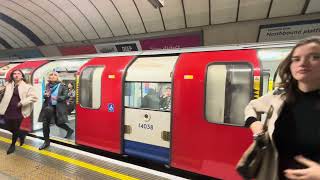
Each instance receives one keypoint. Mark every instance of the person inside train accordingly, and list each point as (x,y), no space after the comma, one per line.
(165,99)
(54,108)
(151,100)
(15,105)
(295,122)
(71,98)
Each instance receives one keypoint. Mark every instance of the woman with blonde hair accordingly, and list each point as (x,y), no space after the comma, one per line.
(16,104)
(294,127)
(54,108)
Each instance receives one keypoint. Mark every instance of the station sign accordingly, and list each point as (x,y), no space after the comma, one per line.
(289,31)
(118,47)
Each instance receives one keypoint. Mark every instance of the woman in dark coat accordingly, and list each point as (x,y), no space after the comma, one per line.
(54,109)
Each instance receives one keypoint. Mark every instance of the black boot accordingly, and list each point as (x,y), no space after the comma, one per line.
(44,145)
(22,138)
(69,133)
(11,149)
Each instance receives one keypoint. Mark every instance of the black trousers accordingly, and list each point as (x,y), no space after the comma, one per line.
(13,125)
(46,129)
(50,112)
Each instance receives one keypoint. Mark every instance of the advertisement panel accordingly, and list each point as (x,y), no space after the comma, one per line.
(76,50)
(181,41)
(20,54)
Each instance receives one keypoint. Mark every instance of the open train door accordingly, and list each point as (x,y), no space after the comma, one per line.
(28,68)
(99,102)
(67,68)
(211,90)
(147,113)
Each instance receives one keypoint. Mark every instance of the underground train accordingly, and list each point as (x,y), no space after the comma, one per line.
(182,108)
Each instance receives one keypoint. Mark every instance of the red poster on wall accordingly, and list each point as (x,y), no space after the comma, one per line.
(179,41)
(75,50)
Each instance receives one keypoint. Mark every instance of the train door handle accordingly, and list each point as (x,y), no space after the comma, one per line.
(165,135)
(127,129)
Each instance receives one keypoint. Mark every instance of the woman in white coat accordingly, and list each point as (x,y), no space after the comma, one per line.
(294,127)
(16,104)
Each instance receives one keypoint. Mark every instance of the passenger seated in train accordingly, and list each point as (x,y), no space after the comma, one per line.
(151,100)
(54,108)
(71,98)
(165,100)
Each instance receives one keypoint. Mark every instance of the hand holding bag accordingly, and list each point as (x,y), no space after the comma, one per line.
(250,163)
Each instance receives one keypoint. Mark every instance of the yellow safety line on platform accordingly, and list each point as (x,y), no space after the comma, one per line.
(74,161)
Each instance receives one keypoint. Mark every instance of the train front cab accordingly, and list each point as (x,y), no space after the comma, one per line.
(211,90)
(4,72)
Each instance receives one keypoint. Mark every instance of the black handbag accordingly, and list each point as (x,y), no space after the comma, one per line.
(251,161)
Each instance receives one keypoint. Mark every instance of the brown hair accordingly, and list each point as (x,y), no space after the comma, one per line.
(288,83)
(11,75)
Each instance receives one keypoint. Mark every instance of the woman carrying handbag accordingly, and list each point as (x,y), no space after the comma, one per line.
(15,105)
(294,127)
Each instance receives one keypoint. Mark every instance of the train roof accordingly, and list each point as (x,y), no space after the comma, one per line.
(274,44)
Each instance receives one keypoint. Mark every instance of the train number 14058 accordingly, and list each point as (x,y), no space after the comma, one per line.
(145,126)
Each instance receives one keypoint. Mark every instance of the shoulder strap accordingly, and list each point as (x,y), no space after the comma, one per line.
(269,115)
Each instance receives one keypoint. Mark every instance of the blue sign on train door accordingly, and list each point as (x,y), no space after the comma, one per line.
(110,107)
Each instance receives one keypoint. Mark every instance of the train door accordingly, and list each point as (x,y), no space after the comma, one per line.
(28,68)
(67,73)
(147,113)
(99,105)
(270,59)
(211,90)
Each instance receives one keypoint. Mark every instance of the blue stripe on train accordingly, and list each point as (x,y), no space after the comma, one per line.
(147,151)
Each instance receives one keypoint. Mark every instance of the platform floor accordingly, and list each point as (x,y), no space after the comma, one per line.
(60,162)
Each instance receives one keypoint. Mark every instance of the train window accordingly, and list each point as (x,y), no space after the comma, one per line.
(228,91)
(267,83)
(90,87)
(2,81)
(27,74)
(154,96)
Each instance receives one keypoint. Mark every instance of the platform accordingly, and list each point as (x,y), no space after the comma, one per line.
(60,162)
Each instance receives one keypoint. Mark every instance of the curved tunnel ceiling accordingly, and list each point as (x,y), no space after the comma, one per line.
(28,23)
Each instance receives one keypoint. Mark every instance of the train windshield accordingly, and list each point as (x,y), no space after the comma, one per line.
(146,95)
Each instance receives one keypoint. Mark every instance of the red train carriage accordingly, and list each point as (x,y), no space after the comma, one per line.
(182,108)
(202,130)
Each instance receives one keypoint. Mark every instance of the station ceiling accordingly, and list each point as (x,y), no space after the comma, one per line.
(29,23)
